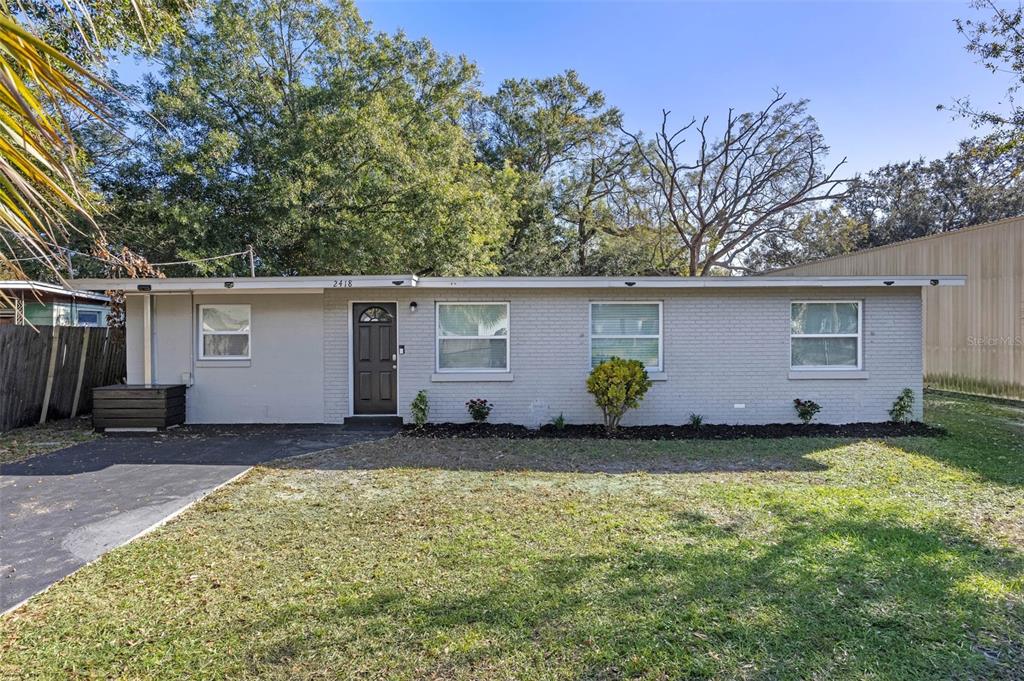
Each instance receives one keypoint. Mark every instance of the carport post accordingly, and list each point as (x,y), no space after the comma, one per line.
(147,339)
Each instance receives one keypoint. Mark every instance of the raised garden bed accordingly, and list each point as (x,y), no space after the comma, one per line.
(666,432)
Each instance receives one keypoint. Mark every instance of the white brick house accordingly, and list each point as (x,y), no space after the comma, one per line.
(327,349)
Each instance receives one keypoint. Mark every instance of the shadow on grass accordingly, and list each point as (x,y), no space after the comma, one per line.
(235,445)
(573,456)
(826,595)
(986,437)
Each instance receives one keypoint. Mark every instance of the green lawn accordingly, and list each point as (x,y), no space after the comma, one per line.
(800,558)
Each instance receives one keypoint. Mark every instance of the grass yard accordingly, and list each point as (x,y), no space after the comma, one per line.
(24,443)
(486,559)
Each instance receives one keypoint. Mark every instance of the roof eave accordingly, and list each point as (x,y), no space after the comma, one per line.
(317,284)
(40,287)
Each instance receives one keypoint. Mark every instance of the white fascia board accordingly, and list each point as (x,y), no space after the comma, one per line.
(225,292)
(246,284)
(687,282)
(310,284)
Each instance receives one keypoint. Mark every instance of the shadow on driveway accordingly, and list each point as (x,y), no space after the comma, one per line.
(61,510)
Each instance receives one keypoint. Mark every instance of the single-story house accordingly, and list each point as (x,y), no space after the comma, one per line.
(41,304)
(334,349)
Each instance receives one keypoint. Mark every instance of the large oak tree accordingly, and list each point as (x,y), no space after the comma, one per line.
(292,126)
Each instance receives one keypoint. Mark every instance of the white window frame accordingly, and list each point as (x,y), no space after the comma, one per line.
(78,317)
(661,330)
(484,370)
(202,346)
(859,336)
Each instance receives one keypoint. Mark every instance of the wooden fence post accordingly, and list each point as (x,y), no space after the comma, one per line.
(54,345)
(81,372)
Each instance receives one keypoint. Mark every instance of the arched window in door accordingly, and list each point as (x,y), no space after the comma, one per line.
(375,314)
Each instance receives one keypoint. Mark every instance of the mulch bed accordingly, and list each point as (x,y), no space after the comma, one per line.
(666,432)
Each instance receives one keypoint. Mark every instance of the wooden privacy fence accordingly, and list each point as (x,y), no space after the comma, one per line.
(49,372)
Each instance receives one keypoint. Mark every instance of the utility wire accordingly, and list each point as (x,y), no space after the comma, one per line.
(106,261)
(198,260)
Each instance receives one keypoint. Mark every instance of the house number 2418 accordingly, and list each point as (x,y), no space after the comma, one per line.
(342,283)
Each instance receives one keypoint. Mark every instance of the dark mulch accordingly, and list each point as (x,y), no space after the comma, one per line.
(667,432)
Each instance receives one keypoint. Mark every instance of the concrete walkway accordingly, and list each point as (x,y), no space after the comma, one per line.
(61,510)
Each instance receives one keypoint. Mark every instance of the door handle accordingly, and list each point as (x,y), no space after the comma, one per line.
(394,366)
(394,357)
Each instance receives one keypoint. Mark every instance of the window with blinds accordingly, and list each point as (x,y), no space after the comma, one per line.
(472,337)
(628,330)
(825,335)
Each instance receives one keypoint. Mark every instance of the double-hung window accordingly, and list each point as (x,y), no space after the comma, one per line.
(628,330)
(472,337)
(224,331)
(825,335)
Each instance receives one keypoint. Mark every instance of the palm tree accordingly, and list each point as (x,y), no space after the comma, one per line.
(39,84)
(38,183)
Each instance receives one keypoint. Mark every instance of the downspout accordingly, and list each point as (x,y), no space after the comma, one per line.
(193,340)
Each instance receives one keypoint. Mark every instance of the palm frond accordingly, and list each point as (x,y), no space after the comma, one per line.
(38,183)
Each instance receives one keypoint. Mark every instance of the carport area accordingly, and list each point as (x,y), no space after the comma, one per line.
(62,510)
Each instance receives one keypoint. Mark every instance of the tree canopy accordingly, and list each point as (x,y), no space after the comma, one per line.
(295,127)
(292,126)
(289,125)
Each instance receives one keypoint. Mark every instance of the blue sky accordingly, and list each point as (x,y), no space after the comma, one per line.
(873,71)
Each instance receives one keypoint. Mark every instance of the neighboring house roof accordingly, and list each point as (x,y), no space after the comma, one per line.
(271,284)
(1005,223)
(51,291)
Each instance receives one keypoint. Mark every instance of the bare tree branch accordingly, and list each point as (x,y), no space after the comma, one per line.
(765,170)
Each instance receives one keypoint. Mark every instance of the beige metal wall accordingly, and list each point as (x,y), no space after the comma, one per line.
(974,335)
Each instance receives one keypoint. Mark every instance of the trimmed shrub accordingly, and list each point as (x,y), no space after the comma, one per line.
(618,385)
(806,409)
(903,407)
(479,409)
(420,408)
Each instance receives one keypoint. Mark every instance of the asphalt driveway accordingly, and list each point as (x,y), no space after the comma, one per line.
(61,510)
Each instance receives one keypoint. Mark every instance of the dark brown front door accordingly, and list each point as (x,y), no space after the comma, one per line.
(375,355)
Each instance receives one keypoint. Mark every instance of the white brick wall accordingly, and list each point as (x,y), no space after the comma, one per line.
(721,348)
(336,359)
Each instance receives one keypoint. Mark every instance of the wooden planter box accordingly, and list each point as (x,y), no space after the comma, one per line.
(138,406)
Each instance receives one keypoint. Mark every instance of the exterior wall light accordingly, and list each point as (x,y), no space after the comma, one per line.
(413,306)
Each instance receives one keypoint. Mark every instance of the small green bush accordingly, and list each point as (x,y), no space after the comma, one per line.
(420,408)
(696,420)
(618,385)
(559,422)
(903,407)
(806,409)
(479,409)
